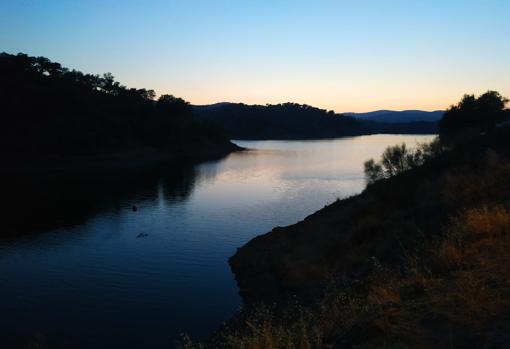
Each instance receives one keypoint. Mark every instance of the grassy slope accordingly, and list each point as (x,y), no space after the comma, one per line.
(384,222)
(419,260)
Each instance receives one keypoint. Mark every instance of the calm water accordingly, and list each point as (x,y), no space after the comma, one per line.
(101,275)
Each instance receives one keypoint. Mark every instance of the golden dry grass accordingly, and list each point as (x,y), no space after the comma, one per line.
(454,293)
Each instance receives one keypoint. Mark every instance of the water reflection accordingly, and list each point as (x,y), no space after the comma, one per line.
(51,201)
(98,274)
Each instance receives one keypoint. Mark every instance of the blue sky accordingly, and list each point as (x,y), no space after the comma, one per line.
(340,55)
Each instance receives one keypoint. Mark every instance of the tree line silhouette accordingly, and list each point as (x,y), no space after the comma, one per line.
(49,109)
(297,121)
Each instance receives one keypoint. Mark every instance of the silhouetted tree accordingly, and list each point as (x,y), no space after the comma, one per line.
(481,113)
(373,171)
(170,105)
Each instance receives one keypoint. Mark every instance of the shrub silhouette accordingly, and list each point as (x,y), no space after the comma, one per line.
(399,158)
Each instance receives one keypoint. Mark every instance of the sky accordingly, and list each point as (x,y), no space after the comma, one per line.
(347,56)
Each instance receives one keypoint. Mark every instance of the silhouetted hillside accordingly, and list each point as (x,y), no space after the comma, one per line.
(54,116)
(405,116)
(418,259)
(296,121)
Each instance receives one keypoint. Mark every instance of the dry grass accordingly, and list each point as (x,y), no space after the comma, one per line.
(455,292)
(467,292)
(476,255)
(466,187)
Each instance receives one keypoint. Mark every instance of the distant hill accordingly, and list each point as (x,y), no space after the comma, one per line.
(209,107)
(298,121)
(278,121)
(392,116)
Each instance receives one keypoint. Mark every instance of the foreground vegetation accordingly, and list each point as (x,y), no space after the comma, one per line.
(418,260)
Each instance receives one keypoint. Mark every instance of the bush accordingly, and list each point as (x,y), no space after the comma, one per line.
(399,158)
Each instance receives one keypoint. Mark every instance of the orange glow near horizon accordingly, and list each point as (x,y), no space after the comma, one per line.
(346,56)
(341,100)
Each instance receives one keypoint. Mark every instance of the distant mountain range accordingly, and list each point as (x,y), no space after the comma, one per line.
(209,107)
(392,116)
(301,121)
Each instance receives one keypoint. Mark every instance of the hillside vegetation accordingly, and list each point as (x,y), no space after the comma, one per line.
(418,260)
(297,121)
(51,114)
(392,116)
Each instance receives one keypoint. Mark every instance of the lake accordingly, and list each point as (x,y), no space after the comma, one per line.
(96,273)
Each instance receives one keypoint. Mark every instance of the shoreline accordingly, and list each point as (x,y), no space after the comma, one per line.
(75,184)
(127,160)
(291,138)
(342,237)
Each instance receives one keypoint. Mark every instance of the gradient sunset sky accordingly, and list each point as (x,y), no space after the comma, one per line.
(340,55)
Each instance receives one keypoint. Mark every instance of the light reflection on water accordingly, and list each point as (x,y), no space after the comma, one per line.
(91,281)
